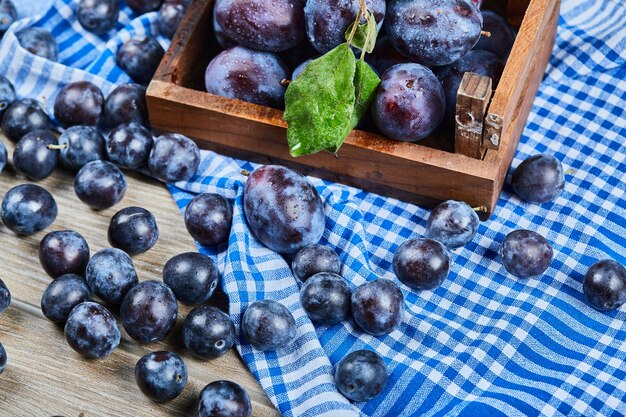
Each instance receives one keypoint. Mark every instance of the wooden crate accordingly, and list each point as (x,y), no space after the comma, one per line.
(423,173)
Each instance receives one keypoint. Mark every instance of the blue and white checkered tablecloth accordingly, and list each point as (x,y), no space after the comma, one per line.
(483,344)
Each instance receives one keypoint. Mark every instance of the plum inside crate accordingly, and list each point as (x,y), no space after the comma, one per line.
(473,169)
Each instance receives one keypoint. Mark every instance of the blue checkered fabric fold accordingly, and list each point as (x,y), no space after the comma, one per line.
(82,55)
(484,343)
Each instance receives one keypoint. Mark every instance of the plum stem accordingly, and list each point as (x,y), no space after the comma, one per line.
(570,171)
(57,147)
(480,209)
(363,12)
(245,172)
(285,82)
(485,34)
(354,27)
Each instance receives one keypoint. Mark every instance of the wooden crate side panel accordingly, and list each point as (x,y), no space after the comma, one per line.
(391,174)
(471,104)
(160,93)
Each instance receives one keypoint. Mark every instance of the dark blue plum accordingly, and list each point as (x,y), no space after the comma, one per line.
(64,252)
(409,103)
(313,259)
(208,332)
(8,15)
(268,325)
(140,58)
(4,156)
(100,185)
(208,219)
(502,35)
(248,75)
(38,41)
(328,20)
(604,285)
(79,103)
(91,330)
(170,15)
(28,209)
(80,145)
(361,375)
(161,376)
(128,145)
(526,253)
(98,16)
(538,179)
(3,359)
(149,311)
(326,298)
(300,68)
(23,116)
(126,104)
(133,230)
(110,274)
(262,25)
(384,56)
(421,264)
(297,55)
(224,399)
(62,295)
(5,297)
(144,6)
(174,157)
(433,32)
(192,276)
(453,223)
(378,306)
(33,157)
(283,209)
(478,62)
(7,93)
(222,40)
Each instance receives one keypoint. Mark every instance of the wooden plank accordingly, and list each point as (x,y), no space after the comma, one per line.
(404,170)
(44,375)
(471,104)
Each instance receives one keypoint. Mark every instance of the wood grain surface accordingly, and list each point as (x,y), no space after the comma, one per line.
(44,376)
(471,103)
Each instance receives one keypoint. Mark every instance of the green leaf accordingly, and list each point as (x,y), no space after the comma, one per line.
(365,83)
(319,104)
(365,35)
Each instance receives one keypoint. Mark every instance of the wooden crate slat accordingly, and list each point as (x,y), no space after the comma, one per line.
(471,105)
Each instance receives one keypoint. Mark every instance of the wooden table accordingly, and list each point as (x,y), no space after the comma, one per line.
(44,376)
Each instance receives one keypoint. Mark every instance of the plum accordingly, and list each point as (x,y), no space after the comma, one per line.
(283,209)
